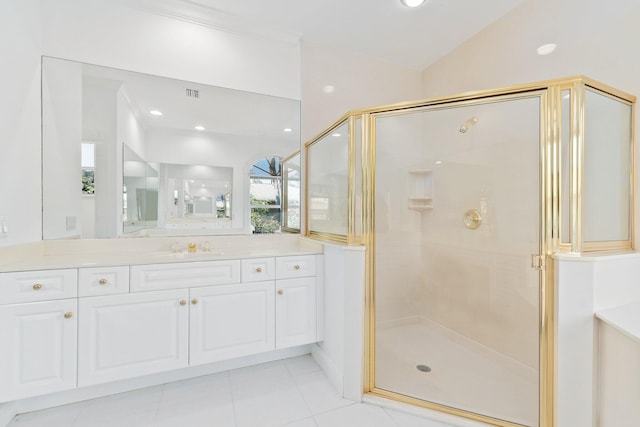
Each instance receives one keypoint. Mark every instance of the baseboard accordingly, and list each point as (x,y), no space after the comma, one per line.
(7,412)
(329,368)
(107,389)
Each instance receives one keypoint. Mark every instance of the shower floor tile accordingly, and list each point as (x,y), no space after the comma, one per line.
(463,374)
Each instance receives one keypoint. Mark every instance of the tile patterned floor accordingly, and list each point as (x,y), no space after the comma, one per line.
(292,392)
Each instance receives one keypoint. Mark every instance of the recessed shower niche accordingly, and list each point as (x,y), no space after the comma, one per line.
(461,202)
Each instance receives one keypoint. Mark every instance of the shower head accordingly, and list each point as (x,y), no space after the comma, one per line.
(465,126)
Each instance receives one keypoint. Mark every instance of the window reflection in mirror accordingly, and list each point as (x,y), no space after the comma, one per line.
(197,197)
(265,195)
(174,197)
(291,193)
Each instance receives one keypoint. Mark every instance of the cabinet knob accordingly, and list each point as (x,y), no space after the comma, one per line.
(37,287)
(68,315)
(183,302)
(103,281)
(194,301)
(297,267)
(280,292)
(259,269)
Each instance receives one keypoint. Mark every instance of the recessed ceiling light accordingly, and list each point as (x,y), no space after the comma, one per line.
(287,130)
(412,3)
(438,162)
(335,134)
(155,112)
(546,49)
(328,89)
(199,127)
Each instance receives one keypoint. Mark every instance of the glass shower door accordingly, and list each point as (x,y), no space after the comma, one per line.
(457,218)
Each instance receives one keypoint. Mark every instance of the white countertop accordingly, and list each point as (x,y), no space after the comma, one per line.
(625,319)
(75,254)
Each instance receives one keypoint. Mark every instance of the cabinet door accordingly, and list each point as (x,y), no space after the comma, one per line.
(39,348)
(231,321)
(122,336)
(295,312)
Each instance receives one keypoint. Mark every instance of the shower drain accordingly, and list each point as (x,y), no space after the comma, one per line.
(423,368)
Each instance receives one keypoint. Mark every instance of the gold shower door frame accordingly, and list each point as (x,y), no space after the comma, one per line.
(369,237)
(550,196)
(550,97)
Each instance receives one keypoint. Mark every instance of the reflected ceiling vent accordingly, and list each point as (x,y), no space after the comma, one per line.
(193,93)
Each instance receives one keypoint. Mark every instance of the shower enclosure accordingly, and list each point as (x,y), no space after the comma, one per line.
(457,211)
(461,202)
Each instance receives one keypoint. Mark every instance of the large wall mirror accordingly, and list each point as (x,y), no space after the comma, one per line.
(132,154)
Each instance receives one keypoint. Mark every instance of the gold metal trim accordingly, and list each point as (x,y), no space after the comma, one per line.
(368,236)
(285,194)
(546,161)
(328,237)
(550,177)
(324,236)
(351,185)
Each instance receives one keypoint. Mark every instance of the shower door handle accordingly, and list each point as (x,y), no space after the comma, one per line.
(537,262)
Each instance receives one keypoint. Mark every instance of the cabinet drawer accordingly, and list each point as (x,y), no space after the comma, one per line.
(103,281)
(154,277)
(258,269)
(41,285)
(295,266)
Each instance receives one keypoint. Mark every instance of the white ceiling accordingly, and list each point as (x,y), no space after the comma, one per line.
(383,29)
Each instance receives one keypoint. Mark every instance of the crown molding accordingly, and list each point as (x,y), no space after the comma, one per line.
(198,14)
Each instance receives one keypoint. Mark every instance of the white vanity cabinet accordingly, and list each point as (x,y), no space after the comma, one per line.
(231,321)
(38,332)
(123,336)
(77,327)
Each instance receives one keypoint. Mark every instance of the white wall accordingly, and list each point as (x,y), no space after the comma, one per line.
(359,82)
(620,356)
(111,35)
(583,286)
(99,125)
(62,100)
(594,38)
(20,195)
